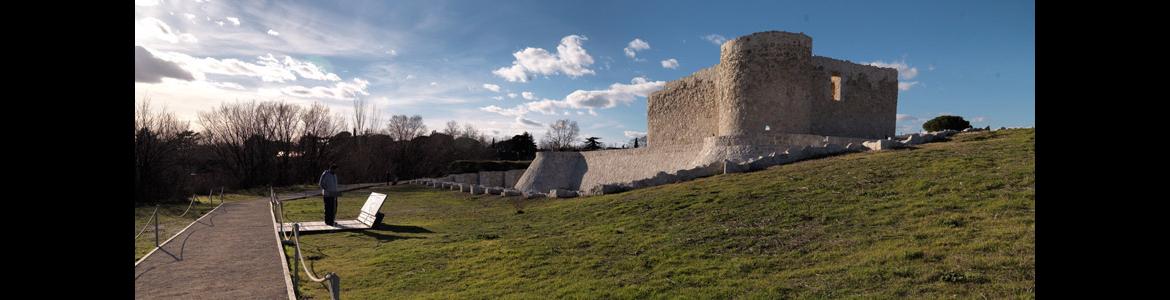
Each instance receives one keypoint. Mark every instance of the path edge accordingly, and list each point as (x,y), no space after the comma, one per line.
(164,243)
(292,295)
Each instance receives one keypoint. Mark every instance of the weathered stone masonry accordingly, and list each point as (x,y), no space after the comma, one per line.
(768,100)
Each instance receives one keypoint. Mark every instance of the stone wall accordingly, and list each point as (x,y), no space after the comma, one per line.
(683,111)
(511,177)
(491,178)
(769,82)
(868,106)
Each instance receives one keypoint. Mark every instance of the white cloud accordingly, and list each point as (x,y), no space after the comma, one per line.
(511,95)
(633,134)
(345,90)
(585,100)
(273,32)
(905,86)
(979,119)
(392,52)
(234,20)
(905,117)
(268,68)
(670,63)
(228,85)
(491,87)
(150,28)
(524,121)
(145,2)
(498,97)
(151,69)
(220,23)
(905,72)
(635,46)
(571,59)
(434,83)
(308,70)
(528,95)
(190,17)
(715,39)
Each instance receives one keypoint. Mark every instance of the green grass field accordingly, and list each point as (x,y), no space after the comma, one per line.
(950,219)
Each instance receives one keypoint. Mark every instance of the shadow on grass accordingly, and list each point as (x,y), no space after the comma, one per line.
(401,228)
(388,237)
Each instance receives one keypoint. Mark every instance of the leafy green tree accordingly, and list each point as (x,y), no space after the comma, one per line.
(946,122)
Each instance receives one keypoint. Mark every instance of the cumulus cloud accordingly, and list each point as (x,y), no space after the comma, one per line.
(905,72)
(571,59)
(528,95)
(151,69)
(715,39)
(346,90)
(273,32)
(491,87)
(511,95)
(579,100)
(498,97)
(670,63)
(234,20)
(635,46)
(905,117)
(308,70)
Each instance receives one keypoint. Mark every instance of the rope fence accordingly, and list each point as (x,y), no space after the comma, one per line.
(334,282)
(154,216)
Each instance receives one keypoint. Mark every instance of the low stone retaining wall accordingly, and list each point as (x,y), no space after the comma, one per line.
(572,174)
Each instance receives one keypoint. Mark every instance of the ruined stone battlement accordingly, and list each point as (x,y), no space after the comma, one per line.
(770,82)
(767,94)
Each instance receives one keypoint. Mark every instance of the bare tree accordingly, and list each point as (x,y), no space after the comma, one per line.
(452,129)
(375,120)
(470,132)
(161,142)
(560,135)
(316,121)
(403,128)
(359,116)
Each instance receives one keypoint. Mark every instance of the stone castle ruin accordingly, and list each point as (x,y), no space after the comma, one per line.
(768,101)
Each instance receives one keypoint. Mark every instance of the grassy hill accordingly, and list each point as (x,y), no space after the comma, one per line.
(951,219)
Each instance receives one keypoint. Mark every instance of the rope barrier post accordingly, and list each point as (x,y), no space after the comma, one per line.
(296,257)
(155,217)
(334,286)
(221,194)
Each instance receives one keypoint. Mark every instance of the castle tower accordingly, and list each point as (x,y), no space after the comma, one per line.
(763,84)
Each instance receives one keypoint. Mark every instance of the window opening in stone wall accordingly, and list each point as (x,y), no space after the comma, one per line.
(836,82)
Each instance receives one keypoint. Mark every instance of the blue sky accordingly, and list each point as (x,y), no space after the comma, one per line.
(473,61)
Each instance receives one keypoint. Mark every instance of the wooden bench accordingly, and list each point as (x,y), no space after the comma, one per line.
(365,220)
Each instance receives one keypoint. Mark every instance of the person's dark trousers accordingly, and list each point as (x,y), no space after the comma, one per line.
(330,209)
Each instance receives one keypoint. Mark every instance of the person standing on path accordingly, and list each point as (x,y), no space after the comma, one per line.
(329,190)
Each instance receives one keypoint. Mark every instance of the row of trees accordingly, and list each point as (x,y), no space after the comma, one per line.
(251,144)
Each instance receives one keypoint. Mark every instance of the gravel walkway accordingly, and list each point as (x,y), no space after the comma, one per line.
(230,253)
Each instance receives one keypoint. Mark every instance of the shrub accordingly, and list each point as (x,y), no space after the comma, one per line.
(946,122)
